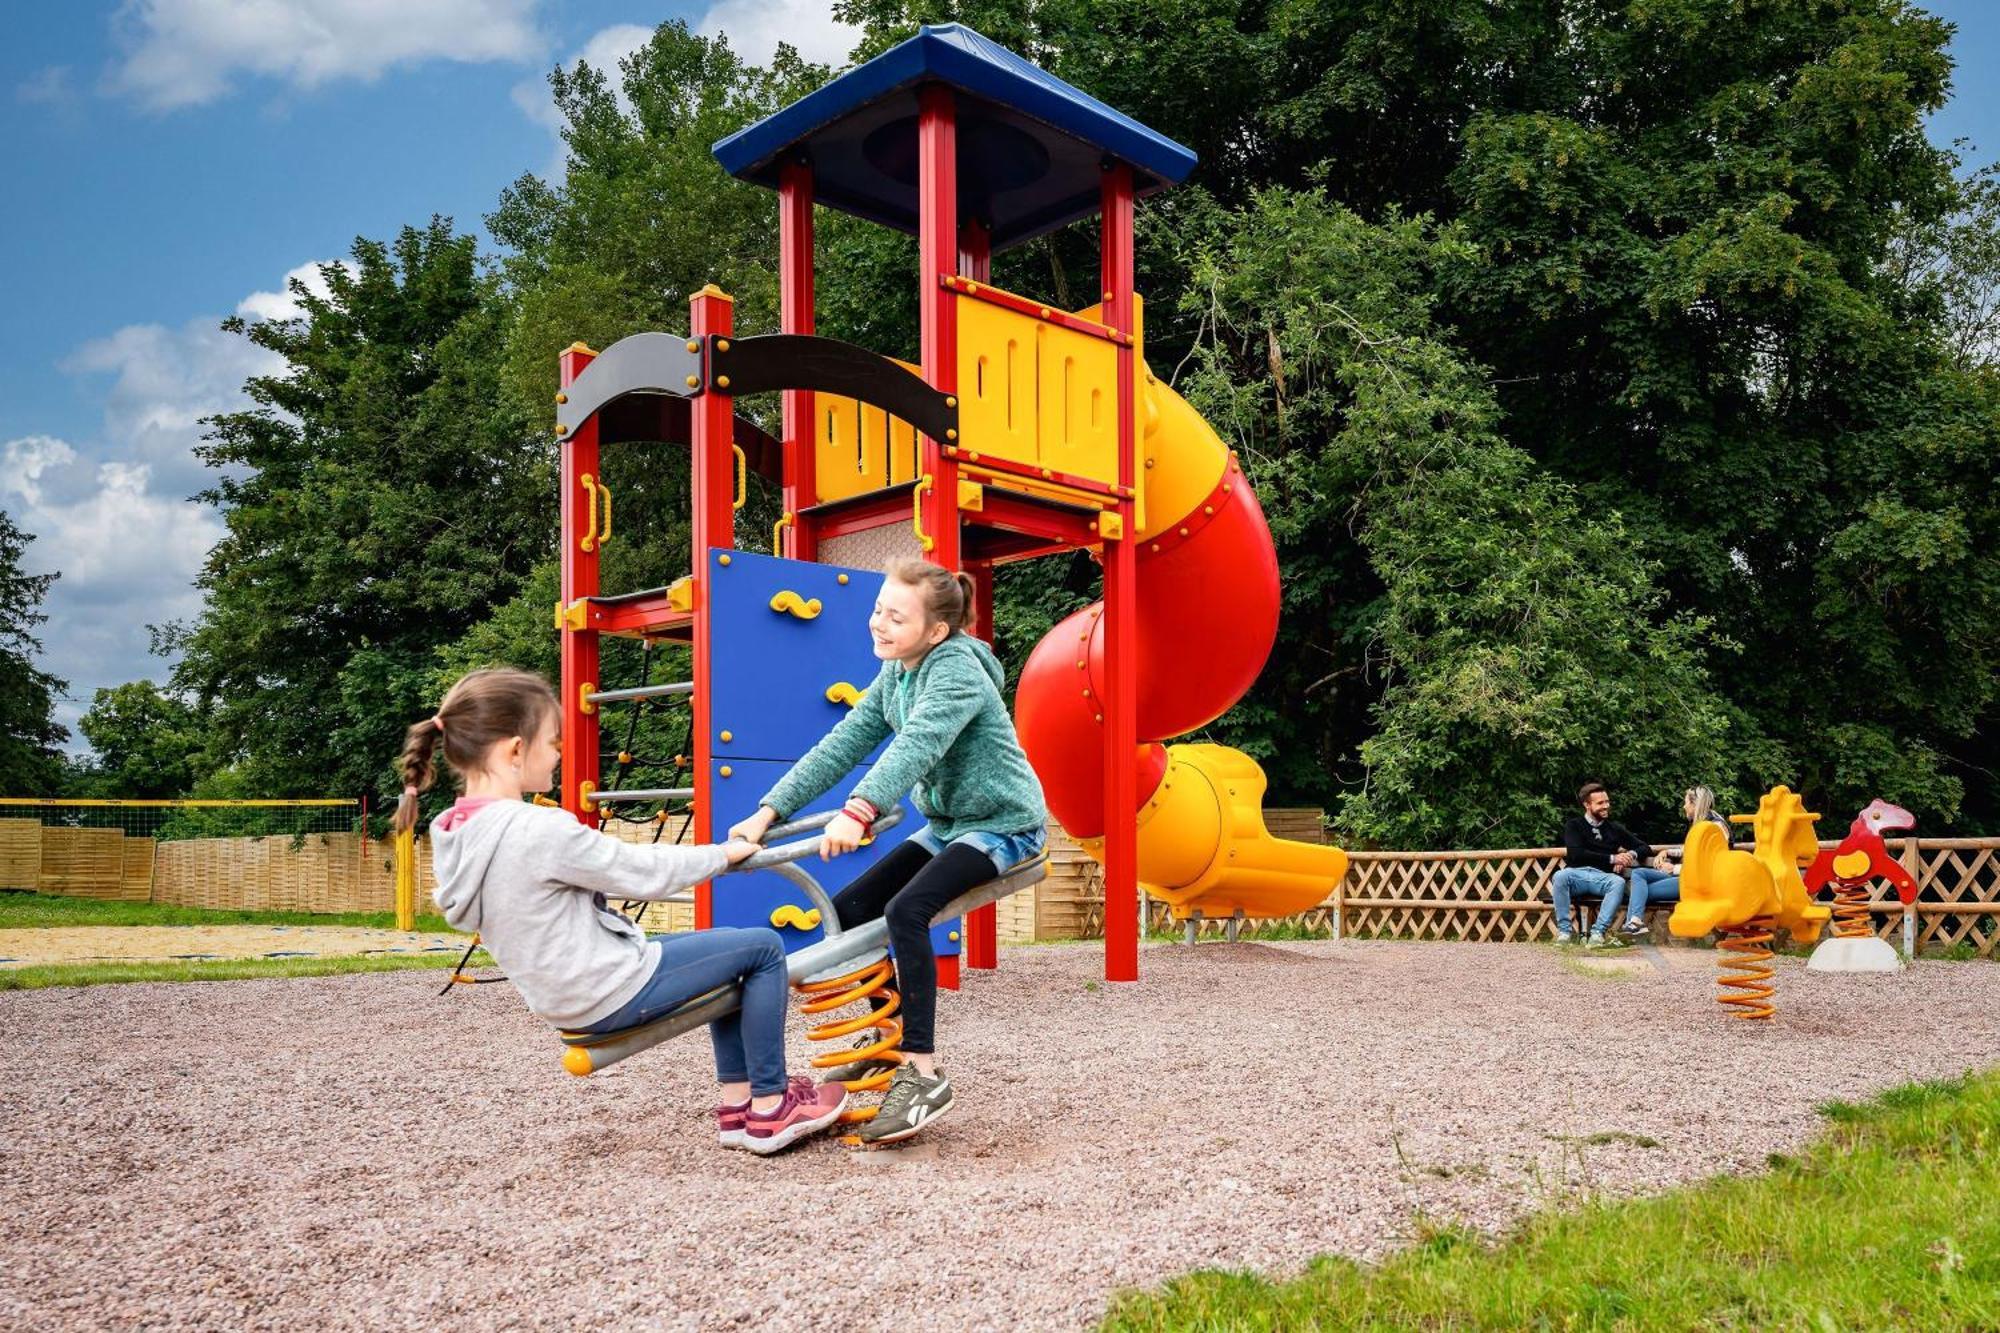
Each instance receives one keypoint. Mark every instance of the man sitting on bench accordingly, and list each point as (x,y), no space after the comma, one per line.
(1597,852)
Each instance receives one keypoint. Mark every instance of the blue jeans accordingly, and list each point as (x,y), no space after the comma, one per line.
(1650,885)
(750,1043)
(1004,850)
(1585,882)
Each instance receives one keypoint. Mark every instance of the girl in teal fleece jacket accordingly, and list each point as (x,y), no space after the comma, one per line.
(938,694)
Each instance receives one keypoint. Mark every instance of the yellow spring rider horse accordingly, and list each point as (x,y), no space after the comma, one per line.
(1745,895)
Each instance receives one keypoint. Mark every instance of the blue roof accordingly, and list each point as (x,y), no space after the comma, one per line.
(1030,147)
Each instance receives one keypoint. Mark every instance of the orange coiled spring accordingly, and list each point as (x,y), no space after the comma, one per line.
(1852,919)
(1745,984)
(874,981)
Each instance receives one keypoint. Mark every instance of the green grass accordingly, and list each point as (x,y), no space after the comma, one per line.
(40,976)
(1890,1220)
(26,910)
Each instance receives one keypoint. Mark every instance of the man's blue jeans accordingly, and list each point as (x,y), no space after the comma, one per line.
(1650,885)
(1584,882)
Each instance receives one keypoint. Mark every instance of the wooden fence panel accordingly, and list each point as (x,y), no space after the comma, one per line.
(138,870)
(83,862)
(21,854)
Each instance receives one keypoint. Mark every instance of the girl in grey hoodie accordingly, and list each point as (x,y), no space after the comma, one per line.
(533,882)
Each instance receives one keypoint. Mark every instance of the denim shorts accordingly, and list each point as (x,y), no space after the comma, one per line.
(1004,850)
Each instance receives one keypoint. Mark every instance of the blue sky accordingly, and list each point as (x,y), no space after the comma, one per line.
(171,161)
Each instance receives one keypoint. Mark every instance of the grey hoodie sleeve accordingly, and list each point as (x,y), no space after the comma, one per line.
(584,858)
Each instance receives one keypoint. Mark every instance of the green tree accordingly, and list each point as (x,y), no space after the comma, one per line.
(1499,638)
(30,761)
(1727,291)
(147,743)
(380,498)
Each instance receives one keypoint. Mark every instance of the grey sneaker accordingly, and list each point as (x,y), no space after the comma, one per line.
(856,1070)
(1605,942)
(1636,929)
(912,1102)
(1564,937)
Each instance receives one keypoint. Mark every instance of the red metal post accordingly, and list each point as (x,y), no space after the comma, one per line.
(581,517)
(937,259)
(795,315)
(711,319)
(982,936)
(975,251)
(982,946)
(1121,667)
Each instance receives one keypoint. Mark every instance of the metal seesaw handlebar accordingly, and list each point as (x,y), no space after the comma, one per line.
(784,860)
(589,1052)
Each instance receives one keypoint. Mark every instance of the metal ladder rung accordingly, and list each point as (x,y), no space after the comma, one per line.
(642,794)
(640,692)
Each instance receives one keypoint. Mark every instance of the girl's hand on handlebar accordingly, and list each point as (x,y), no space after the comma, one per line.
(739,850)
(754,828)
(844,834)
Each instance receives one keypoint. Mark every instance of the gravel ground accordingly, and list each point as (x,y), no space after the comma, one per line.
(353,1152)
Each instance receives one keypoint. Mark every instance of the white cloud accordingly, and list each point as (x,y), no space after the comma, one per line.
(283,304)
(185,52)
(755,27)
(165,381)
(113,514)
(128,557)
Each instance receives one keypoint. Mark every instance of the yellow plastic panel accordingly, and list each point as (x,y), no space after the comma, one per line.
(858,447)
(1145,415)
(843,462)
(1078,389)
(996,382)
(903,462)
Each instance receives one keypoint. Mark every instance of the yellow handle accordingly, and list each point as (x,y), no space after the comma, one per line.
(840,692)
(604,494)
(790,915)
(778,534)
(589,542)
(742,476)
(791,603)
(924,483)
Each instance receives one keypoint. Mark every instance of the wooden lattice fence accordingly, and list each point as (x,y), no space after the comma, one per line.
(1504,895)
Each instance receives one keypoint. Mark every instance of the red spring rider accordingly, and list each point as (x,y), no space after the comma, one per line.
(1860,859)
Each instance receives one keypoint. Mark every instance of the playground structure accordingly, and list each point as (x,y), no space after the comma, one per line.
(1022,431)
(1744,897)
(1860,858)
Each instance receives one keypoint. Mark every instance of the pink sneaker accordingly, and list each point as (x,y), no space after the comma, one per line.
(729,1119)
(802,1111)
(729,1124)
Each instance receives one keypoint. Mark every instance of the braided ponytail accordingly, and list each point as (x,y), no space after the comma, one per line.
(419,770)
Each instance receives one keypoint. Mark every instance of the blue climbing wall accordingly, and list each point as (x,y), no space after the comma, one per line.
(769,676)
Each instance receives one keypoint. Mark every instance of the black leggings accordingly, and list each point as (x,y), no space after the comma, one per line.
(909,886)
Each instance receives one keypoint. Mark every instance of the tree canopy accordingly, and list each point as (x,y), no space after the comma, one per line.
(1618,378)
